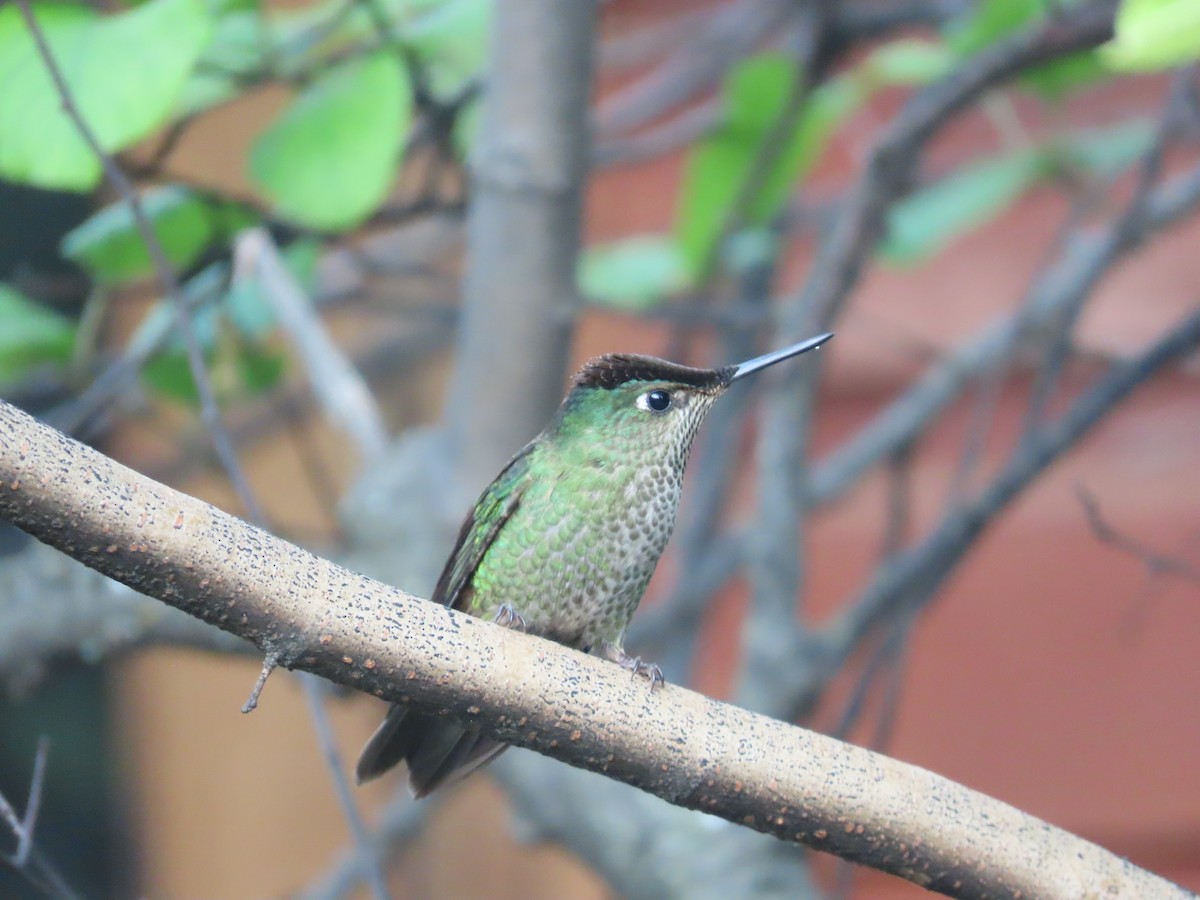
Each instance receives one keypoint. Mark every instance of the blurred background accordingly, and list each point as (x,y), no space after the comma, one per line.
(967,536)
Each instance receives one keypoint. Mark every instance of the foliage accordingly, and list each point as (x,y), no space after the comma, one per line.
(30,335)
(357,72)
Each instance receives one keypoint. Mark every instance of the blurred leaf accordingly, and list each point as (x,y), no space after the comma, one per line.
(1055,79)
(330,159)
(261,369)
(1110,150)
(755,94)
(237,368)
(466,128)
(928,219)
(632,274)
(169,376)
(238,46)
(907,62)
(30,335)
(125,72)
(988,22)
(110,246)
(451,41)
(995,19)
(249,310)
(1154,35)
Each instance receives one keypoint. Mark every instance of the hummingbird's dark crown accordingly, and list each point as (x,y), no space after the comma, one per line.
(615,369)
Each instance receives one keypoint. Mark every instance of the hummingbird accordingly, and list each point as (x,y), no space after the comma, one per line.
(563,542)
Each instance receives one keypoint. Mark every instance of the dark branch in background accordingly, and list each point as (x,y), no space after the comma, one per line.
(696,68)
(913,578)
(889,170)
(1133,221)
(694,752)
(1085,259)
(401,822)
(1156,563)
(523,229)
(770,678)
(369,864)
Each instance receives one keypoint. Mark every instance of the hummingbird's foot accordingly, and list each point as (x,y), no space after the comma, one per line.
(510,618)
(635,665)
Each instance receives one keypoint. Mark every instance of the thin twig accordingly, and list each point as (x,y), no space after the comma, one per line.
(1084,260)
(915,576)
(402,821)
(341,391)
(1156,563)
(1060,342)
(371,866)
(26,860)
(164,271)
(34,804)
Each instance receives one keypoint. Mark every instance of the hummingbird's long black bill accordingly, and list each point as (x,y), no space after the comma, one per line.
(741,370)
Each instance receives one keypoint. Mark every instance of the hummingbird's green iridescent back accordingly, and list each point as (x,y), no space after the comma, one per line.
(563,542)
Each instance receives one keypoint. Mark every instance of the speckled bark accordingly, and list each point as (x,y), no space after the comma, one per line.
(679,745)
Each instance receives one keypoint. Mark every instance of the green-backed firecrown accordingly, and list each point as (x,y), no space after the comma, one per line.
(563,542)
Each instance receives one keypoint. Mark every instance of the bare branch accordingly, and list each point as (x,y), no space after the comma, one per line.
(341,390)
(769,680)
(916,575)
(402,821)
(26,860)
(1084,260)
(523,226)
(1156,563)
(694,69)
(693,751)
(370,865)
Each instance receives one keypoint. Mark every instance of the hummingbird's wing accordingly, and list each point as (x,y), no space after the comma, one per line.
(437,750)
(490,514)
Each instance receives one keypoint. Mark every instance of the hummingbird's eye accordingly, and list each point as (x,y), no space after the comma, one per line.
(655,401)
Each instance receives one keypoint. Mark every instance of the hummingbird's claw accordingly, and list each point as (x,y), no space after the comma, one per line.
(510,618)
(635,665)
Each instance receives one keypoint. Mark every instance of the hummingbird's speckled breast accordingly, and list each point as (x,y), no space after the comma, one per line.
(577,553)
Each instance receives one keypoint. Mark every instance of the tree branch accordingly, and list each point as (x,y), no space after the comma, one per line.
(692,751)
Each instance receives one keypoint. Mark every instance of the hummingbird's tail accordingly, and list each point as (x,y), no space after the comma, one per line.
(438,751)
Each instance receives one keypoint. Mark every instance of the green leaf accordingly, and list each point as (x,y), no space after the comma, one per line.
(249,310)
(755,94)
(926,220)
(1053,80)
(1110,150)
(111,248)
(995,19)
(451,41)
(169,376)
(236,368)
(238,46)
(989,21)
(907,62)
(260,368)
(1153,35)
(124,71)
(330,159)
(632,274)
(30,335)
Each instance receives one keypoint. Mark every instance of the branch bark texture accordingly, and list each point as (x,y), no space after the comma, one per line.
(681,746)
(523,230)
